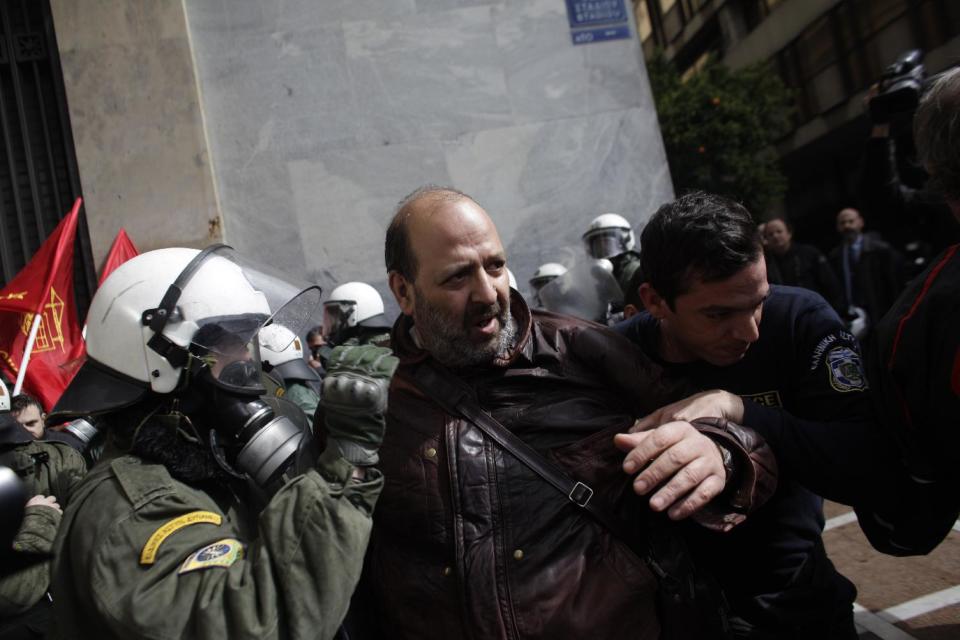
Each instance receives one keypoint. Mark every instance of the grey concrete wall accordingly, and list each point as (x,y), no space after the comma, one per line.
(321,115)
(137,125)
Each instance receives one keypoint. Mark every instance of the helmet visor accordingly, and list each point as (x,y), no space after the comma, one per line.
(230,298)
(605,243)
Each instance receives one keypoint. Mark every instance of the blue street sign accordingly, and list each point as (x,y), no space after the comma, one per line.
(585,13)
(587,36)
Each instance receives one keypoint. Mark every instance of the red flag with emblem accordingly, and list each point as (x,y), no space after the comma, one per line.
(45,287)
(121,250)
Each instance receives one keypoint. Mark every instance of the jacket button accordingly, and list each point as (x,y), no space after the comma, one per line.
(431,452)
(518,554)
(447,571)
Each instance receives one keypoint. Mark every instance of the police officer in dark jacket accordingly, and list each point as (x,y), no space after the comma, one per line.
(900,469)
(706,292)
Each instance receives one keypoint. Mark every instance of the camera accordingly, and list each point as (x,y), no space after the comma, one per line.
(901,86)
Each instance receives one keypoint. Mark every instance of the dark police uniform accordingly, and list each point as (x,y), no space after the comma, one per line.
(773,567)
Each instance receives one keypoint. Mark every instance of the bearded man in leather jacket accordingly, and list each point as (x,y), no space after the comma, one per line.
(468,541)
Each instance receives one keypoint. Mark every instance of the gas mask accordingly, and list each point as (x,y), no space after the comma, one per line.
(222,384)
(245,435)
(181,324)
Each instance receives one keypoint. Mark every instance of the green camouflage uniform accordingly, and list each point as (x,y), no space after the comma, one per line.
(47,469)
(141,554)
(379,339)
(302,396)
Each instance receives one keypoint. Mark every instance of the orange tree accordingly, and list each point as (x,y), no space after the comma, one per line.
(719,127)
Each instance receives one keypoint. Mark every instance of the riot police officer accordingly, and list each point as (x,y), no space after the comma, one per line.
(545,273)
(48,471)
(608,235)
(354,315)
(282,355)
(166,536)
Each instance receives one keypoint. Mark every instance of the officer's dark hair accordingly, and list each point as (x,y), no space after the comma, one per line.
(698,235)
(21,401)
(398,254)
(316,332)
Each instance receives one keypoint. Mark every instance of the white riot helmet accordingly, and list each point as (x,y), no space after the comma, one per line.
(545,273)
(278,345)
(281,350)
(161,309)
(608,235)
(350,305)
(4,397)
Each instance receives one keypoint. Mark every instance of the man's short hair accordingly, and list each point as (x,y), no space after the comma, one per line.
(398,253)
(316,332)
(20,402)
(936,132)
(698,235)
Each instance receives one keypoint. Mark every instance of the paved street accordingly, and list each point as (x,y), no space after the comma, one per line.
(899,598)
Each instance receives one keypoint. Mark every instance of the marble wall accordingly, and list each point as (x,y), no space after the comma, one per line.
(291,128)
(322,115)
(137,123)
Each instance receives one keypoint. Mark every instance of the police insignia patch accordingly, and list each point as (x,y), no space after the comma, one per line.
(221,553)
(846,370)
(149,552)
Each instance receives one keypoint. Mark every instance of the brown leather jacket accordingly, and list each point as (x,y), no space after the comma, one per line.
(469,543)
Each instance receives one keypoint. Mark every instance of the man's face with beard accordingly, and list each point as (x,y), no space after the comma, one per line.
(460,295)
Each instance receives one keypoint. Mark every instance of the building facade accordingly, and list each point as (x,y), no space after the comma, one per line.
(290,130)
(828,52)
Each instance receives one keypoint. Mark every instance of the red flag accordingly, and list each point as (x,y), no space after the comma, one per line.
(44,286)
(121,250)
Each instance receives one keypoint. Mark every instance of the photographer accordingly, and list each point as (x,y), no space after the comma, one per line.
(893,186)
(916,368)
(166,537)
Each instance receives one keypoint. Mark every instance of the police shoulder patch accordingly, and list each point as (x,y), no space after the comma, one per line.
(149,552)
(221,553)
(845,370)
